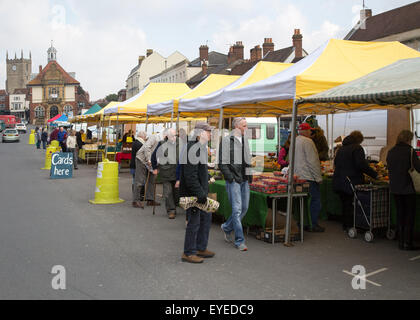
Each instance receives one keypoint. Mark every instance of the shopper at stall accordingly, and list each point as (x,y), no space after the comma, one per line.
(44,138)
(401,158)
(126,135)
(308,167)
(194,178)
(79,139)
(283,158)
(138,193)
(164,161)
(235,159)
(54,135)
(38,138)
(144,176)
(71,144)
(61,137)
(350,162)
(321,144)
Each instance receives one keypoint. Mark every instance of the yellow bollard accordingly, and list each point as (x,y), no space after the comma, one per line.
(48,155)
(31,138)
(107,191)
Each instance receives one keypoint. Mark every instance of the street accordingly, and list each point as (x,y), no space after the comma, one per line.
(120,252)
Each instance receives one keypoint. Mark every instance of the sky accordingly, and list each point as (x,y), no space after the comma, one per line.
(101,40)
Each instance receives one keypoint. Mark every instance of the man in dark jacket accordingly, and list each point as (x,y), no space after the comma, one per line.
(401,158)
(194,182)
(235,160)
(79,140)
(138,191)
(350,162)
(164,161)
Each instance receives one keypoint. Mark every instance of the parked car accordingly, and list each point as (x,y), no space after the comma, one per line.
(10,135)
(20,127)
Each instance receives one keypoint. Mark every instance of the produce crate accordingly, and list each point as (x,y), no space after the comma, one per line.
(279,235)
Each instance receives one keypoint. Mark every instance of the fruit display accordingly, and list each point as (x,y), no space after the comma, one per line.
(271,164)
(271,183)
(382,171)
(327,168)
(216,174)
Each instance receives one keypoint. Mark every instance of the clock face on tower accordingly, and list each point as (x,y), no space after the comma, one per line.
(14,68)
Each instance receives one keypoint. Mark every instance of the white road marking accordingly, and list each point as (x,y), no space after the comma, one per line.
(367,275)
(415,258)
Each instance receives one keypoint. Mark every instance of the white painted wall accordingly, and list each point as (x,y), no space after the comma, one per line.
(70,93)
(36,94)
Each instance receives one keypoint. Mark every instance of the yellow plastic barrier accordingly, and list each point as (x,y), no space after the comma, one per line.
(107,191)
(55,144)
(48,155)
(32,138)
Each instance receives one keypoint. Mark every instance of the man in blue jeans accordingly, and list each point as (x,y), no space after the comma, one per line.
(235,162)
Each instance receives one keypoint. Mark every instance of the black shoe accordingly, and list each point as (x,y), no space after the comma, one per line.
(76,168)
(317,228)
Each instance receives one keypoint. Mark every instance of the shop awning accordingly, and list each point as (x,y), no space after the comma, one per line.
(152,93)
(396,84)
(334,63)
(54,118)
(95,108)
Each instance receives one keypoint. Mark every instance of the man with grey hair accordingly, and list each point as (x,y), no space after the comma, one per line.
(234,162)
(138,192)
(144,172)
(164,162)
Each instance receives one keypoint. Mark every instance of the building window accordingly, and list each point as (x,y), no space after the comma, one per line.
(255,131)
(39,112)
(270,131)
(68,109)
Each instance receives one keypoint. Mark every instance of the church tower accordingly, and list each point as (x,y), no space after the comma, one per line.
(18,72)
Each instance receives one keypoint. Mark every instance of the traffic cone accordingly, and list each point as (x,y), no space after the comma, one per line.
(48,155)
(107,183)
(32,137)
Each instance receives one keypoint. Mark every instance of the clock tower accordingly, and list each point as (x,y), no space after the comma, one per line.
(18,72)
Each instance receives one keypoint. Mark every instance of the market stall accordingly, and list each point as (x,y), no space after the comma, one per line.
(334,63)
(396,85)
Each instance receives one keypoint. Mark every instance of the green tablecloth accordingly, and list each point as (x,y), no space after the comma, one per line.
(258,205)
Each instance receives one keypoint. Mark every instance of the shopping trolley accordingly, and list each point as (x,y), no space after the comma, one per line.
(371,210)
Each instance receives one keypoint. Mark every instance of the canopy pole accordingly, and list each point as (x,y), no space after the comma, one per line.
(332,136)
(147,122)
(177,124)
(291,174)
(107,140)
(97,148)
(278,137)
(116,138)
(412,127)
(220,137)
(172,118)
(328,135)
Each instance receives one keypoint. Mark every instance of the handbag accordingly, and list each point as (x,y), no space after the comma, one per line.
(415,176)
(189,202)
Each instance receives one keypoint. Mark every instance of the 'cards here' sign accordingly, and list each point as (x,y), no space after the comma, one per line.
(61,165)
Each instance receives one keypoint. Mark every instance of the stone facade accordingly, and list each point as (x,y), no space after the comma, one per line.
(18,73)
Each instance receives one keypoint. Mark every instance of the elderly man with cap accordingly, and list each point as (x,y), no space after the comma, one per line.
(144,172)
(194,182)
(308,167)
(164,161)
(138,191)
(235,160)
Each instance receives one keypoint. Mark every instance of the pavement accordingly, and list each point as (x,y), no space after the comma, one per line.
(120,252)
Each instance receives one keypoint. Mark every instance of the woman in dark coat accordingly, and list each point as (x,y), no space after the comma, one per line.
(399,160)
(350,162)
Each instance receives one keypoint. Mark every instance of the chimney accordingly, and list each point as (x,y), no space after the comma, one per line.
(204,53)
(40,68)
(256,53)
(297,44)
(204,67)
(365,14)
(141,58)
(236,52)
(149,52)
(268,46)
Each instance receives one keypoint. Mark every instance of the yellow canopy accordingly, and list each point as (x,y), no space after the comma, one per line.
(334,63)
(152,93)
